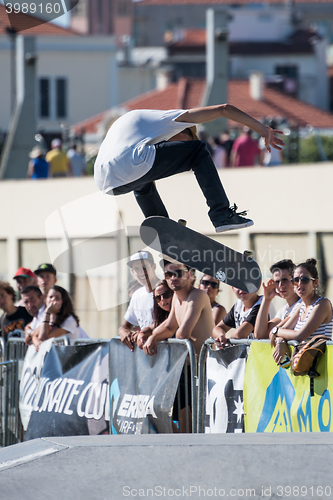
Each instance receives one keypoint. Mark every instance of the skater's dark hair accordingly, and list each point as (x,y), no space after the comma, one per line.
(311,266)
(283,264)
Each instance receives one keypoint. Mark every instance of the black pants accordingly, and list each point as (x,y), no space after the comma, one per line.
(173,158)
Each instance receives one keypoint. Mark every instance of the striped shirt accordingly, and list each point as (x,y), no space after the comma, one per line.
(323,329)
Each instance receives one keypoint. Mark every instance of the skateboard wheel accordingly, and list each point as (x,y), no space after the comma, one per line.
(182,222)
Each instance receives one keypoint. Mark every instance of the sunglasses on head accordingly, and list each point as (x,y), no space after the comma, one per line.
(178,273)
(213,284)
(164,295)
(304,280)
(283,281)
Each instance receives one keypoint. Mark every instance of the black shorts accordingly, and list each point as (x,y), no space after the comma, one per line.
(180,399)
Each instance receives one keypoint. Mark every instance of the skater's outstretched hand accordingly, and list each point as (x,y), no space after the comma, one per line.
(271,139)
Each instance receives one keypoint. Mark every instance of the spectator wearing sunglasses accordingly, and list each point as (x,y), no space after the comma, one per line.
(190,316)
(312,317)
(240,320)
(211,286)
(162,307)
(279,286)
(139,311)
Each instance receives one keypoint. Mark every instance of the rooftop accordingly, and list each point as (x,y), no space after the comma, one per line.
(194,40)
(227,2)
(187,93)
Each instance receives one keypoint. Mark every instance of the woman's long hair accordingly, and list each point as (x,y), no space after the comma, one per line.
(159,314)
(67,308)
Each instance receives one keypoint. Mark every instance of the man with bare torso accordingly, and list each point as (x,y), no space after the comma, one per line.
(190,316)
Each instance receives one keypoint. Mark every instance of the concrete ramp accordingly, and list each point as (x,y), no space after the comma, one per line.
(169,466)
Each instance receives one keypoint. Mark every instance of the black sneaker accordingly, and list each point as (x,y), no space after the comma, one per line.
(234,221)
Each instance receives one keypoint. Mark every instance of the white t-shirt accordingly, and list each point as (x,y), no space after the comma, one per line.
(77,162)
(38,319)
(127,152)
(73,330)
(286,311)
(140,309)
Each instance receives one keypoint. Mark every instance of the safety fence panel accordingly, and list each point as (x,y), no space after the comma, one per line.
(143,389)
(277,401)
(12,431)
(65,390)
(2,350)
(241,389)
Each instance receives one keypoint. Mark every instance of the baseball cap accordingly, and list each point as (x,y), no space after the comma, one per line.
(56,143)
(140,255)
(24,272)
(47,268)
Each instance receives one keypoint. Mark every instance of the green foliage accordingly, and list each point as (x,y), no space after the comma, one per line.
(90,166)
(310,149)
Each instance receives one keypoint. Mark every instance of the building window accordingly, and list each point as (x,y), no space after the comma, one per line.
(61,97)
(123,8)
(44,99)
(53,98)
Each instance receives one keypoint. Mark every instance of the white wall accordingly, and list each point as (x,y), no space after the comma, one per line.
(263,23)
(291,206)
(312,73)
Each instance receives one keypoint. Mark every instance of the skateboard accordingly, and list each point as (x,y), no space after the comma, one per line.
(180,244)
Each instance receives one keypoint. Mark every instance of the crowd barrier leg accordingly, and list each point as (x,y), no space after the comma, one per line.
(193,377)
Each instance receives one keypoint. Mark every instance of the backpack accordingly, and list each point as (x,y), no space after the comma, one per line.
(304,358)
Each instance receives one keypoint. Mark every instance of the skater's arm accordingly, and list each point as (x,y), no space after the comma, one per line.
(210,113)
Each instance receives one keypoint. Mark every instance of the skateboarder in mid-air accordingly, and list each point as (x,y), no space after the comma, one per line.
(145,145)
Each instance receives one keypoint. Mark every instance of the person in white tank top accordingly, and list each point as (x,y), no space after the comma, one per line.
(312,317)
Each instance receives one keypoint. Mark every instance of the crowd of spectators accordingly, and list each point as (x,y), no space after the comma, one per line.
(44,310)
(175,307)
(56,163)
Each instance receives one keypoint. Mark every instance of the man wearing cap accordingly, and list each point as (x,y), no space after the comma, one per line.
(46,277)
(139,311)
(24,277)
(145,145)
(58,161)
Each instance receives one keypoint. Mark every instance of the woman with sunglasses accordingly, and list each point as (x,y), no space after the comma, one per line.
(212,287)
(313,317)
(162,306)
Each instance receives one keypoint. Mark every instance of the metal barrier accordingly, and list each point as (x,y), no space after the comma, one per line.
(86,341)
(193,404)
(11,431)
(2,350)
(11,427)
(202,376)
(202,372)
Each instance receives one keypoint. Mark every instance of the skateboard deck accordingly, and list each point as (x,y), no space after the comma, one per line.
(183,245)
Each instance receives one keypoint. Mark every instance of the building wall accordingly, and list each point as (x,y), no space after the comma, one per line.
(134,81)
(89,65)
(310,85)
(290,205)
